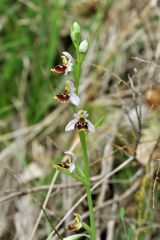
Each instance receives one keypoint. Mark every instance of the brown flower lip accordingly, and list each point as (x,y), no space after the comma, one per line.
(66,65)
(81,125)
(71,228)
(68,94)
(65,165)
(69,162)
(59,69)
(76,224)
(62,96)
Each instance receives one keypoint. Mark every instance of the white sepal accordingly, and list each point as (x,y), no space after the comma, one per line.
(74,99)
(72,167)
(68,55)
(71,86)
(91,127)
(71,125)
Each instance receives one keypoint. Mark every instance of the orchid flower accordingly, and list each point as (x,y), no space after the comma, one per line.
(80,123)
(68,94)
(70,161)
(66,66)
(76,224)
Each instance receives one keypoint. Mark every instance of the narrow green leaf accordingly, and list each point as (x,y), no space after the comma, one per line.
(67,172)
(80,172)
(86,227)
(100,122)
(131,230)
(121,212)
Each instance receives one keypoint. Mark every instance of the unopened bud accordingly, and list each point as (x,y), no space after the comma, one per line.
(75,33)
(83,47)
(76,28)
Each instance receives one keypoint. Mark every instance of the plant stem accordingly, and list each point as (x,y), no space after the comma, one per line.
(78,76)
(88,186)
(125,229)
(78,69)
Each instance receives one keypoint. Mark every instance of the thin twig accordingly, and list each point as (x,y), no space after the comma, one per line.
(146,61)
(44,205)
(49,220)
(16,194)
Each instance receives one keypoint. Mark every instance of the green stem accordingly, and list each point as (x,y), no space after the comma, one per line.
(78,68)
(86,227)
(78,76)
(88,186)
(125,229)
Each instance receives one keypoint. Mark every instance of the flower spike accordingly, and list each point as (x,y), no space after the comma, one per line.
(80,123)
(66,66)
(68,94)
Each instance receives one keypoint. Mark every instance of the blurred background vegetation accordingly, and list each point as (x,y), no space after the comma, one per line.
(120,73)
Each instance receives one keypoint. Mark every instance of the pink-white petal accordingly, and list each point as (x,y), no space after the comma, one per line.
(70,65)
(66,72)
(71,125)
(91,127)
(72,167)
(71,86)
(68,55)
(74,99)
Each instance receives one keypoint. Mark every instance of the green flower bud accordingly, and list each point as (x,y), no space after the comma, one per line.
(83,47)
(76,28)
(75,34)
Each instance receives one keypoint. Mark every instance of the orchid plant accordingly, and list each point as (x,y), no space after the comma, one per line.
(79,123)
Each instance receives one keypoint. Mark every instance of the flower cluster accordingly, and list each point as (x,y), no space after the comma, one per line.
(80,121)
(69,91)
